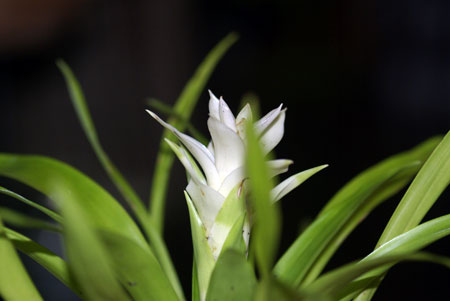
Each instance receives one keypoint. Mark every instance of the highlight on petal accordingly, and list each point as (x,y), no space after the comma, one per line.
(244,117)
(278,166)
(262,124)
(229,150)
(293,182)
(226,116)
(198,150)
(234,178)
(207,201)
(213,105)
(273,134)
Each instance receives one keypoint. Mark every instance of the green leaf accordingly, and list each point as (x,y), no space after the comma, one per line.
(202,253)
(117,178)
(231,214)
(432,179)
(21,220)
(195,289)
(232,279)
(415,239)
(235,239)
(408,242)
(427,186)
(138,269)
(306,258)
(84,116)
(271,289)
(43,256)
(267,225)
(183,107)
(63,183)
(340,283)
(88,258)
(15,284)
(55,216)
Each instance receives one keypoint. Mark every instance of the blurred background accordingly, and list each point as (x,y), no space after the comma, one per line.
(362,80)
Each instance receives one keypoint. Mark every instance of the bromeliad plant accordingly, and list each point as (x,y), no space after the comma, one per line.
(233,207)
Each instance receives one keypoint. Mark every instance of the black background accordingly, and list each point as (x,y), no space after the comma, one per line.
(361,80)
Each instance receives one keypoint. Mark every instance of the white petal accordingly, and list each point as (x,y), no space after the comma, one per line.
(190,166)
(262,124)
(279,166)
(226,116)
(207,202)
(243,118)
(229,149)
(232,180)
(213,105)
(211,147)
(198,150)
(292,182)
(273,133)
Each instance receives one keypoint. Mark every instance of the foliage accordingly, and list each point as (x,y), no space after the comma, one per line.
(112,256)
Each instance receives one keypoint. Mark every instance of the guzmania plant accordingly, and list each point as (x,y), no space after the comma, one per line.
(235,219)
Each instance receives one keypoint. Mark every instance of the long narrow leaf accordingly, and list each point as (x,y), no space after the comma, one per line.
(15,284)
(43,256)
(55,216)
(315,246)
(339,283)
(232,279)
(18,219)
(432,179)
(89,261)
(183,107)
(428,185)
(117,178)
(408,242)
(44,174)
(267,226)
(84,116)
(138,269)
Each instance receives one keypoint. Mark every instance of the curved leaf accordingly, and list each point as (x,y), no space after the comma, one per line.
(432,179)
(337,284)
(116,177)
(15,284)
(20,220)
(61,182)
(427,186)
(267,220)
(232,278)
(88,259)
(55,216)
(43,256)
(137,269)
(84,116)
(408,242)
(315,246)
(183,108)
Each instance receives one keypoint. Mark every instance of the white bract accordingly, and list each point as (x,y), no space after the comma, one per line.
(222,161)
(216,190)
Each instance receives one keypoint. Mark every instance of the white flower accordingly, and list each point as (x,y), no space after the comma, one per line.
(215,195)
(222,162)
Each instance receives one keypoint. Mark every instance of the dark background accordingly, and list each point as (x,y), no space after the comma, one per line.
(361,79)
